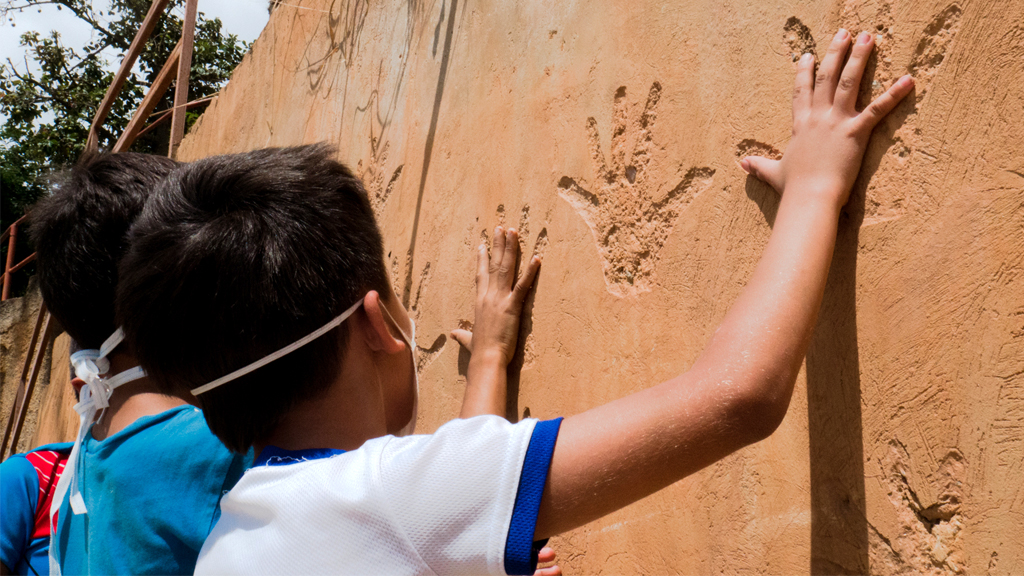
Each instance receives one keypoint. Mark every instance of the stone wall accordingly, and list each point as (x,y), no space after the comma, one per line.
(608,134)
(17,322)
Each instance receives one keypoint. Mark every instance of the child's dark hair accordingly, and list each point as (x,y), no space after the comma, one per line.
(237,256)
(80,233)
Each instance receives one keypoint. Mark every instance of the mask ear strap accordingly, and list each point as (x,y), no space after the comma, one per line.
(282,352)
(408,339)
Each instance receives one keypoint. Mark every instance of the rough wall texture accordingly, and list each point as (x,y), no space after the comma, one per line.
(58,421)
(17,321)
(609,137)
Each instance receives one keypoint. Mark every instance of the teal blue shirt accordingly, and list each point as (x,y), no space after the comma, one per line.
(152,492)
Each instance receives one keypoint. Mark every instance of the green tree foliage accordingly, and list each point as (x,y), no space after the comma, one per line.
(48,100)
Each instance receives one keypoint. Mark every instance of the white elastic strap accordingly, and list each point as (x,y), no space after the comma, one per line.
(94,397)
(282,352)
(110,343)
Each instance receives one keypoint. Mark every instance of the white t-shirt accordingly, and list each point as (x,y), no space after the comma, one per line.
(463,500)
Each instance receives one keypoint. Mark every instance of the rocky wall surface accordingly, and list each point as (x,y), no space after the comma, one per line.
(18,318)
(58,421)
(609,134)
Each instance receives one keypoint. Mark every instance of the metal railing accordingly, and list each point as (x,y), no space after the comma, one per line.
(11,235)
(177,68)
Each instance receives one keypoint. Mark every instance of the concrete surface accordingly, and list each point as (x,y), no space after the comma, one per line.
(609,135)
(17,321)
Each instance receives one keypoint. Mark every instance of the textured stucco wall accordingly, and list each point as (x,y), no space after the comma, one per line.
(17,321)
(608,134)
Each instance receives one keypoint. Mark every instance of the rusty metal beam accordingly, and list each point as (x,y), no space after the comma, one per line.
(156,91)
(7,232)
(163,115)
(28,260)
(188,26)
(11,244)
(152,17)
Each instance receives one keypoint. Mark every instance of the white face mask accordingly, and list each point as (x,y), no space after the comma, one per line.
(410,341)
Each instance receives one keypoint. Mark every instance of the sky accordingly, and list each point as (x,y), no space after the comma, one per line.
(244,18)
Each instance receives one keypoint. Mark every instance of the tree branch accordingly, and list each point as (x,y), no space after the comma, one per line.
(85,15)
(30,80)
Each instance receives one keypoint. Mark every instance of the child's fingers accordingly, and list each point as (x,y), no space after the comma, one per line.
(828,72)
(546,554)
(849,83)
(526,280)
(481,269)
(464,337)
(886,102)
(507,272)
(804,89)
(764,169)
(549,571)
(497,249)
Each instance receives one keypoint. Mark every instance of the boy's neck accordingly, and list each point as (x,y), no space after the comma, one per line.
(131,401)
(347,415)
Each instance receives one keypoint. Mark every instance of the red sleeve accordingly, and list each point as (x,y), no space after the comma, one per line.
(49,465)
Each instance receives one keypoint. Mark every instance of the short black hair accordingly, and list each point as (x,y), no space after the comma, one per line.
(237,256)
(80,232)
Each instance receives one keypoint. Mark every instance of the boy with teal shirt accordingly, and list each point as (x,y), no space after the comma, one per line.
(142,491)
(265,273)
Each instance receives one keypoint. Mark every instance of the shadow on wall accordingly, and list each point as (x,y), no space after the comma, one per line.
(839,543)
(429,148)
(839,529)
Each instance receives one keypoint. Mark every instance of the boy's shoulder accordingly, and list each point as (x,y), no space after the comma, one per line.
(456,445)
(180,428)
(464,496)
(166,448)
(152,492)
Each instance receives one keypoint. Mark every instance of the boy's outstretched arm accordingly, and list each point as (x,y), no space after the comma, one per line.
(738,390)
(499,304)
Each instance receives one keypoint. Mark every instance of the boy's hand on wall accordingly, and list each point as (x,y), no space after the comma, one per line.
(499,304)
(829,135)
(546,555)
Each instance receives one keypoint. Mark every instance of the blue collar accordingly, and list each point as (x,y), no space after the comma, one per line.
(274,456)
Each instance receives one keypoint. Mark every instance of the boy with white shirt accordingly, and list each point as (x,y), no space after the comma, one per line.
(265,274)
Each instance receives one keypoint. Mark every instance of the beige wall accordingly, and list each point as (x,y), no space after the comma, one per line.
(903,449)
(50,416)
(17,321)
(58,421)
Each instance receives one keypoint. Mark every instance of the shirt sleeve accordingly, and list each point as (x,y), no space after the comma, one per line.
(467,496)
(19,494)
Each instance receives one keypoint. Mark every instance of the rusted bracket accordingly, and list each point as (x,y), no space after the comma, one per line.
(155,11)
(181,86)
(158,118)
(156,91)
(11,235)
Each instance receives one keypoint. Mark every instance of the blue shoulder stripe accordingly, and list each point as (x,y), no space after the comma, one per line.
(520,553)
(274,456)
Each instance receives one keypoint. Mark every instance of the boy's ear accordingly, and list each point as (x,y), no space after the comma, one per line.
(375,330)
